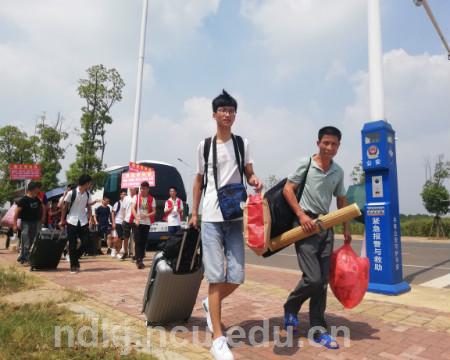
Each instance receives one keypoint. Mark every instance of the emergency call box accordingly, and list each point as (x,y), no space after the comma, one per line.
(378,139)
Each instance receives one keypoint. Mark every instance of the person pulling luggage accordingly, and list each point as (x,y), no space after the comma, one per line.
(78,211)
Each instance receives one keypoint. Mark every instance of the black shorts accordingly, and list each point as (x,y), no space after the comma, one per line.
(127,228)
(104,230)
(119,229)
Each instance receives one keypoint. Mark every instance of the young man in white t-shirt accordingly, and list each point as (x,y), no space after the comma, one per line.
(78,220)
(173,211)
(128,223)
(118,214)
(222,241)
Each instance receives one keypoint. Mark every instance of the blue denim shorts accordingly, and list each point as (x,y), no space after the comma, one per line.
(223,251)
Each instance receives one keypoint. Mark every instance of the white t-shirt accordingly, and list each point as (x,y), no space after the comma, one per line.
(173,218)
(142,209)
(127,205)
(227,173)
(78,210)
(119,215)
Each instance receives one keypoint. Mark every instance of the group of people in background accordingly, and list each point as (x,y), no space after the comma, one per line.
(124,226)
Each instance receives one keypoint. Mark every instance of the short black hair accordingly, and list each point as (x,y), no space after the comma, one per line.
(224,99)
(71,186)
(105,197)
(33,185)
(145,184)
(330,130)
(123,191)
(173,187)
(84,179)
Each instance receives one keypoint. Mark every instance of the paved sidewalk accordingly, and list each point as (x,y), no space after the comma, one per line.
(380,327)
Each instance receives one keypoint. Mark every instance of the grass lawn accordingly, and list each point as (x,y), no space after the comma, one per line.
(28,331)
(13,280)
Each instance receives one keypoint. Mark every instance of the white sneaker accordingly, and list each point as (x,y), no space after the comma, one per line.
(205,305)
(220,350)
(113,253)
(119,256)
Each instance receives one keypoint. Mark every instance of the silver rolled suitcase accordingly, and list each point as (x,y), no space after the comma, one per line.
(170,294)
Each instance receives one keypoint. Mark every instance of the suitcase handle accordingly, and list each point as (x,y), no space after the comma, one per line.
(183,241)
(195,251)
(181,251)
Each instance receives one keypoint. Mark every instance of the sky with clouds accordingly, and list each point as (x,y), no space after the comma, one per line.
(293,65)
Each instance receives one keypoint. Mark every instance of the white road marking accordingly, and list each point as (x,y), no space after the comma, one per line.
(438,283)
(405,265)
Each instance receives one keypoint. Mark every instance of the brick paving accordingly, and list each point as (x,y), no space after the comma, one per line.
(378,330)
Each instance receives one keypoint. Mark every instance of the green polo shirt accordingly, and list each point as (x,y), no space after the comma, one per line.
(320,186)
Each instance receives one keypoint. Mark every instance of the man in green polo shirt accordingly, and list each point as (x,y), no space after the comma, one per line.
(324,180)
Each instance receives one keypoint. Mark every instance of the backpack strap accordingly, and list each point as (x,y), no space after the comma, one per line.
(239,153)
(206,149)
(302,188)
(238,145)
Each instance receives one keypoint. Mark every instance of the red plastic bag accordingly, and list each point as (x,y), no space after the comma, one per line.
(256,223)
(349,276)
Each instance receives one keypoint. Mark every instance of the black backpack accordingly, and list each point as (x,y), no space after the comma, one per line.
(281,214)
(172,249)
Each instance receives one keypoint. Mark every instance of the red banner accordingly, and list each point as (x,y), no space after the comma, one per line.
(134,179)
(24,171)
(133,167)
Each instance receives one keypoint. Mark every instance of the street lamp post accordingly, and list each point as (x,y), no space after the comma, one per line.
(137,104)
(427,8)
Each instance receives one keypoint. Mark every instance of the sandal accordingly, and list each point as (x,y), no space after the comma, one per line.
(325,339)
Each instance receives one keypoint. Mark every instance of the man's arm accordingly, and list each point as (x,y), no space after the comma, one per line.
(16,216)
(62,222)
(44,212)
(252,179)
(196,197)
(134,212)
(95,215)
(289,190)
(113,219)
(89,214)
(167,210)
(341,201)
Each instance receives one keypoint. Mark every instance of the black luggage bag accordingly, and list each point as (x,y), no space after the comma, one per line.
(47,249)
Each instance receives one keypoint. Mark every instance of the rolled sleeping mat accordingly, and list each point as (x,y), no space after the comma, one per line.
(323,222)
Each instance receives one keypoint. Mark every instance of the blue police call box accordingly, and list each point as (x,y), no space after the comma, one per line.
(382,217)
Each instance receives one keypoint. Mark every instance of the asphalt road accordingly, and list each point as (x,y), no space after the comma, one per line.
(422,262)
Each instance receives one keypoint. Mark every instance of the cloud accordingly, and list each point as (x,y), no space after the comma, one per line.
(46,46)
(417,105)
(298,34)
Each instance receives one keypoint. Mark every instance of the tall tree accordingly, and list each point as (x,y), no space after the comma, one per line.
(15,147)
(50,150)
(435,195)
(101,90)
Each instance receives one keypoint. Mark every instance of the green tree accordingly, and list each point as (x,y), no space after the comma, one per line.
(435,196)
(358,175)
(15,147)
(49,150)
(101,90)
